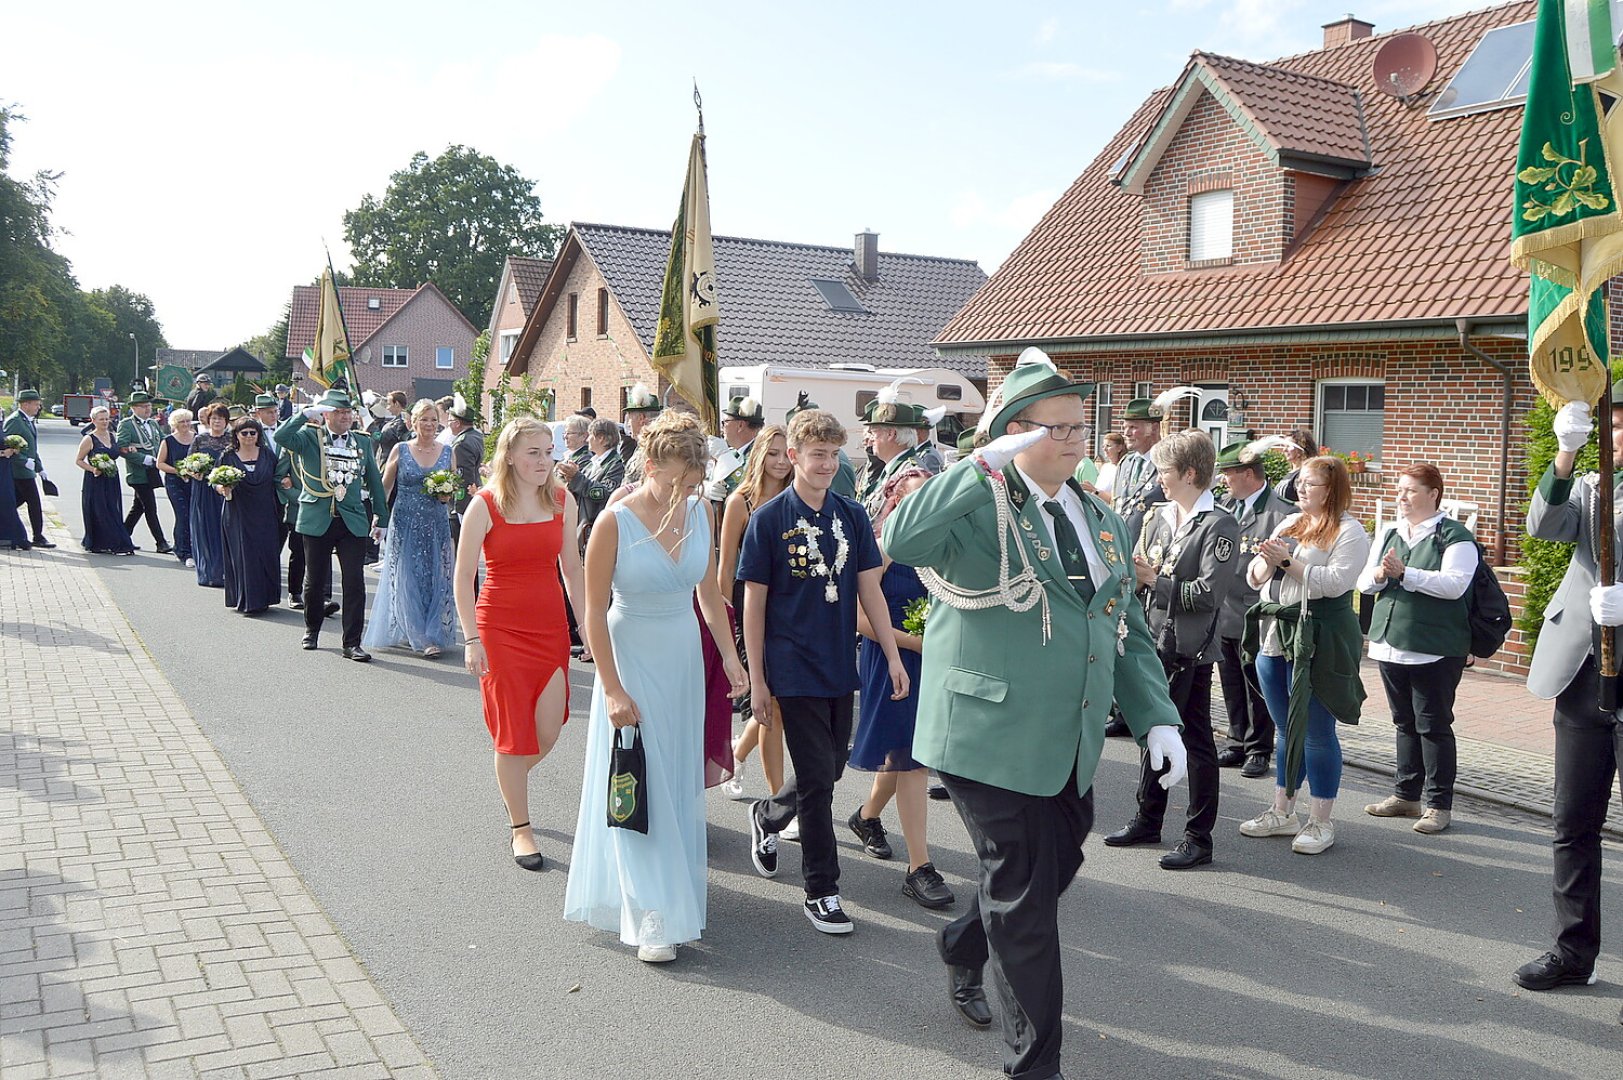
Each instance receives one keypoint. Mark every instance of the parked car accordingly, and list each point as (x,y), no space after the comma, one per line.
(56,410)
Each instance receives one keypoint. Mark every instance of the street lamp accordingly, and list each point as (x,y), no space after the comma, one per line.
(137,384)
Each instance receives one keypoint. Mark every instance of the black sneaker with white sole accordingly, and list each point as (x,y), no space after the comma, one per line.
(763,845)
(871,833)
(826,914)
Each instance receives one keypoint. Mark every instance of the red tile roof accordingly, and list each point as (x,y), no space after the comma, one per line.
(1296,112)
(1426,236)
(360,319)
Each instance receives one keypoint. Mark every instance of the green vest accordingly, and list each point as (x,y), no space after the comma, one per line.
(1413,621)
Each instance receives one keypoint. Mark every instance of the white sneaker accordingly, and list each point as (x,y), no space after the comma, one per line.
(1316,836)
(791,831)
(1272,823)
(191,562)
(734,787)
(656,954)
(651,933)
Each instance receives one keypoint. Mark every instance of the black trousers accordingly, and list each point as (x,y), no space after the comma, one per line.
(1421,697)
(1251,728)
(28,495)
(144,503)
(1030,848)
(318,553)
(817,733)
(1191,691)
(1588,748)
(295,560)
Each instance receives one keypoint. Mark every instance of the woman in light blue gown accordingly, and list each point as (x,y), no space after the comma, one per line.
(414,607)
(650,551)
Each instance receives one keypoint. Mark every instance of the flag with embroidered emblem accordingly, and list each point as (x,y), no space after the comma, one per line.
(1566,229)
(685,338)
(328,356)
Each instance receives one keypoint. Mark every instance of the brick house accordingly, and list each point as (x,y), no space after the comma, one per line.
(591,331)
(402,339)
(516,294)
(1307,249)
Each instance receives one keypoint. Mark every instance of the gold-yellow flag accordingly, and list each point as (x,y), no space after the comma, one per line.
(328,356)
(685,340)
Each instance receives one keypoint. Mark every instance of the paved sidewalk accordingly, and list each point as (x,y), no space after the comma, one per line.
(149,924)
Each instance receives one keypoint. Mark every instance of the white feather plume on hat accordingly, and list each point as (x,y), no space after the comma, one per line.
(1256,448)
(935,416)
(891,394)
(641,397)
(1032,355)
(1165,400)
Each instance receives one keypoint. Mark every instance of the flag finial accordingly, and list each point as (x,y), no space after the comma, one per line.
(698,103)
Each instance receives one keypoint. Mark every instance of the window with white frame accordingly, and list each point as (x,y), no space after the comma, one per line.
(1143,390)
(1211,225)
(395,356)
(1103,418)
(445,357)
(1352,413)
(509,342)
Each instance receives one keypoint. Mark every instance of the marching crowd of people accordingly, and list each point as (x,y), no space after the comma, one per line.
(989,612)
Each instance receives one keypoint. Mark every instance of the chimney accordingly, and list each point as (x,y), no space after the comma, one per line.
(1346,31)
(867,255)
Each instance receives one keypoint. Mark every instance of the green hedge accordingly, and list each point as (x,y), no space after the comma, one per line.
(1544,562)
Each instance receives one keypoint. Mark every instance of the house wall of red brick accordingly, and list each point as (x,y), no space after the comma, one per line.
(508,318)
(1210,151)
(607,364)
(424,325)
(1442,407)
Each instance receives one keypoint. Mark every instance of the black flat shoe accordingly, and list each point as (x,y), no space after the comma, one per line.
(296,604)
(1550,971)
(1230,757)
(1256,765)
(40,541)
(1135,832)
(164,549)
(939,792)
(968,994)
(533,861)
(330,610)
(357,654)
(1186,856)
(307,642)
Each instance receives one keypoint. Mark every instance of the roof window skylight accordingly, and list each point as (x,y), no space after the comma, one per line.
(837,296)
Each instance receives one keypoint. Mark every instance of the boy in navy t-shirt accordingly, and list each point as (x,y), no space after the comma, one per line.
(809,557)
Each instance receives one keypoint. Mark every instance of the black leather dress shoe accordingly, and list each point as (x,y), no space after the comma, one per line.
(969,994)
(939,792)
(1552,970)
(1185,856)
(1256,765)
(1231,757)
(41,542)
(164,549)
(357,654)
(308,641)
(330,610)
(1117,727)
(296,604)
(1137,831)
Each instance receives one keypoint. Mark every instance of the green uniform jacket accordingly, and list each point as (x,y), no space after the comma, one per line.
(287,496)
(132,447)
(997,704)
(17,424)
(306,447)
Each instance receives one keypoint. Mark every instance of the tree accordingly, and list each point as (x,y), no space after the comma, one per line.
(453,221)
(34,280)
(271,347)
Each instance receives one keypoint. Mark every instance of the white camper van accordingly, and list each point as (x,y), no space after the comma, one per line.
(846,389)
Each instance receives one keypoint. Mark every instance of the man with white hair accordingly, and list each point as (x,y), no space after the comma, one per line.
(740,420)
(900,433)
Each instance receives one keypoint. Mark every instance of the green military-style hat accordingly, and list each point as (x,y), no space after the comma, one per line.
(336,399)
(966,441)
(27,395)
(1234,455)
(803,403)
(1034,378)
(744,408)
(264,401)
(894,414)
(640,399)
(1142,408)
(140,397)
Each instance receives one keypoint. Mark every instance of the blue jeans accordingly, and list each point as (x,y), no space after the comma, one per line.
(1322,754)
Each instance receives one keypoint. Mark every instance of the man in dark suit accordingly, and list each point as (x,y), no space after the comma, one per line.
(26,469)
(467,454)
(396,429)
(203,393)
(284,403)
(594,482)
(137,440)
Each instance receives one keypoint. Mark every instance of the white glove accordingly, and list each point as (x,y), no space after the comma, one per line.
(1606,604)
(1572,426)
(312,411)
(997,454)
(149,461)
(32,465)
(1165,744)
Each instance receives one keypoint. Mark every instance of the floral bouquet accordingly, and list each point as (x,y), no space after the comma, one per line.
(194,466)
(17,443)
(442,484)
(226,476)
(914,616)
(104,464)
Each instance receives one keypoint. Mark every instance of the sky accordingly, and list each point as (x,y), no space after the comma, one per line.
(207,151)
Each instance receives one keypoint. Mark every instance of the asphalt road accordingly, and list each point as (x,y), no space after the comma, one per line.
(1389,956)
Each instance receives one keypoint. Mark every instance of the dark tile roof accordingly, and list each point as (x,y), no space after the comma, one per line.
(772,314)
(529,275)
(1426,236)
(359,319)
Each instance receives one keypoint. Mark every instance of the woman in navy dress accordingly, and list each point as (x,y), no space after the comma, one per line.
(883,743)
(174,447)
(250,525)
(207,505)
(101,498)
(12,533)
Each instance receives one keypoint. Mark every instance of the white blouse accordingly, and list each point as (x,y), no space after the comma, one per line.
(1325,574)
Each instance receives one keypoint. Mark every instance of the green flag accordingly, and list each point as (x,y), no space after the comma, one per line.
(685,338)
(1566,230)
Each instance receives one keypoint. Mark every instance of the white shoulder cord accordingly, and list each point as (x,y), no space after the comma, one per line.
(1021,592)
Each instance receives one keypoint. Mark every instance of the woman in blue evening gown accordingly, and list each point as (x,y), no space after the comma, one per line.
(175,446)
(207,505)
(414,607)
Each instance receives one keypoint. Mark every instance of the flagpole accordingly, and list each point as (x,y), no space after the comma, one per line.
(351,375)
(1605,556)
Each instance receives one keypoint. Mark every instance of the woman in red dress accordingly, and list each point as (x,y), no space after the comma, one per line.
(519,647)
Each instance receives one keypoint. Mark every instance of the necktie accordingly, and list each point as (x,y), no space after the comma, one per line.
(1070,550)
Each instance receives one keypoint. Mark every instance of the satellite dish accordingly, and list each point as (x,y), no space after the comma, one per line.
(1404,65)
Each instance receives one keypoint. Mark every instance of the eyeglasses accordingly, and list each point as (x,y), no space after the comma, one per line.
(1061,432)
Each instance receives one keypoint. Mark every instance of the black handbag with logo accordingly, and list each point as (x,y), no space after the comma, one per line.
(628,783)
